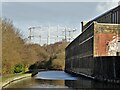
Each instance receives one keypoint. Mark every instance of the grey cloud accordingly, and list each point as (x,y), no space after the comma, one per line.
(47,11)
(57,0)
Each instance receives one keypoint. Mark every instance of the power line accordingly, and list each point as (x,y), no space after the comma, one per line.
(32,35)
(67,30)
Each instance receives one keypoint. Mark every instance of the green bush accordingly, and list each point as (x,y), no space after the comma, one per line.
(18,68)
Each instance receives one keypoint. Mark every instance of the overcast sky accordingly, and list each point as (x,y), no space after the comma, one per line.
(69,14)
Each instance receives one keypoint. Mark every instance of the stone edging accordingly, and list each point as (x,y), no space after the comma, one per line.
(14,79)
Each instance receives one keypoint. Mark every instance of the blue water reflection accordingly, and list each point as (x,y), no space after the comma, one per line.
(55,75)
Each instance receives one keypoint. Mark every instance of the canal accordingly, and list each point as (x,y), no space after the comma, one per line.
(57,80)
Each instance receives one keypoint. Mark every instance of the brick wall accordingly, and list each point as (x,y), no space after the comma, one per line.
(106,37)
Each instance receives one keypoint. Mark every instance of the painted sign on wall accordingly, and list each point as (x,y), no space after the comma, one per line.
(106,40)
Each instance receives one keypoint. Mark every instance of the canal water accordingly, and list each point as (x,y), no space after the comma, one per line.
(59,80)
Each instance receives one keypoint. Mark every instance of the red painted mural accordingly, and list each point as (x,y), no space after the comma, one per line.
(106,44)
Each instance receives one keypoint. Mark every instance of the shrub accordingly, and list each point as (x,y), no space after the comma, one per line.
(18,68)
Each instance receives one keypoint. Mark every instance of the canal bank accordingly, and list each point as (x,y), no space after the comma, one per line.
(14,78)
(6,80)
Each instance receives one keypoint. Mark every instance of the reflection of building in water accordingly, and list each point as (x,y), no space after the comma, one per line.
(83,84)
(114,47)
(77,84)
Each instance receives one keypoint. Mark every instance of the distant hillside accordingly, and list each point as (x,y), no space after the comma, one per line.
(17,56)
(56,58)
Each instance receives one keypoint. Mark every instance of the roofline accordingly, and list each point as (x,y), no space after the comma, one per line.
(104,13)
